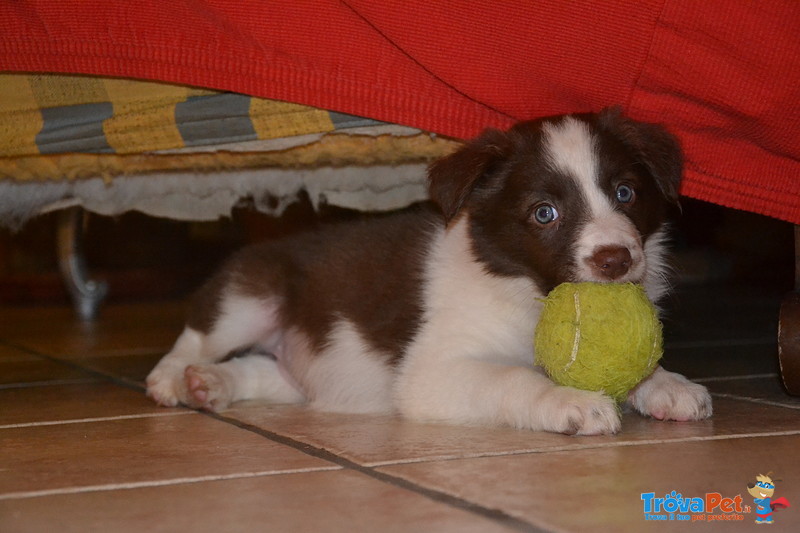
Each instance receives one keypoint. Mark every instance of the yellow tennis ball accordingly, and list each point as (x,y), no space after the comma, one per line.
(598,336)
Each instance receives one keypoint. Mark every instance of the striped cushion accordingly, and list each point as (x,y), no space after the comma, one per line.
(50,114)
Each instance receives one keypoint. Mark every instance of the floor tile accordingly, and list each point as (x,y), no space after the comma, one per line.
(131,367)
(53,403)
(18,367)
(10,354)
(339,501)
(139,450)
(764,388)
(119,330)
(371,440)
(378,440)
(731,418)
(601,489)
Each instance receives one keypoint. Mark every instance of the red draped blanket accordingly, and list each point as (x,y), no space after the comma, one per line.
(724,75)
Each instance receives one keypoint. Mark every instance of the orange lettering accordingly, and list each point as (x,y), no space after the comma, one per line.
(738,501)
(712,501)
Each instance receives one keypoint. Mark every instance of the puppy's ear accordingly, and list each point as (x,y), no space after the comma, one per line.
(655,148)
(452,178)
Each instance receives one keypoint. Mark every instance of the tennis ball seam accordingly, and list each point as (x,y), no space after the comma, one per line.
(576,341)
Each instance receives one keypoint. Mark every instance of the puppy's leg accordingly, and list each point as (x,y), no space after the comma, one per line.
(669,396)
(252,377)
(473,391)
(241,321)
(164,383)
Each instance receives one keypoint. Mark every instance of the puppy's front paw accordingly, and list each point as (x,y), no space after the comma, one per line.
(579,412)
(670,396)
(165,385)
(209,387)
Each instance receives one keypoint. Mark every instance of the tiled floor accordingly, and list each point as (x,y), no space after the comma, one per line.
(82,449)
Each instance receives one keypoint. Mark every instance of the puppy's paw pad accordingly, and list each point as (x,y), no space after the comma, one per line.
(670,396)
(207,387)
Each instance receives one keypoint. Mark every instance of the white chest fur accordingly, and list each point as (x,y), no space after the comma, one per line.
(470,312)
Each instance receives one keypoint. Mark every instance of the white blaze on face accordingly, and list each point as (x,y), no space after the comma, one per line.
(571,148)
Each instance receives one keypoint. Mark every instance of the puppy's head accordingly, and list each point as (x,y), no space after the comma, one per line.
(568,198)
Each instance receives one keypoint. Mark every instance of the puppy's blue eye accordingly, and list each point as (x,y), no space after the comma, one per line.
(625,194)
(545,213)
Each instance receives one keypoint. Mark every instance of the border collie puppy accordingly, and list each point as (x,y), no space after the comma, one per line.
(430,312)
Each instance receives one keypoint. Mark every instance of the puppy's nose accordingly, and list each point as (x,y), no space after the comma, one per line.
(610,262)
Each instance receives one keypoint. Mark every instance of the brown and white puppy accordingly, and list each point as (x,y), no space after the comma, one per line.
(431,313)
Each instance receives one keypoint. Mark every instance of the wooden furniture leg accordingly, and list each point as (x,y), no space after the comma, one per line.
(789,329)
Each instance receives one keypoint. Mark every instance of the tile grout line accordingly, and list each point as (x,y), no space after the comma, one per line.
(712,379)
(95,419)
(760,401)
(496,515)
(582,447)
(54,382)
(158,483)
(97,374)
(116,380)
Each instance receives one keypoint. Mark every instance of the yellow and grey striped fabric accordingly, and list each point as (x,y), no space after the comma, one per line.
(50,114)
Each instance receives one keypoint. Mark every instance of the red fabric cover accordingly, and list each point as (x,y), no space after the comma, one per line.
(724,75)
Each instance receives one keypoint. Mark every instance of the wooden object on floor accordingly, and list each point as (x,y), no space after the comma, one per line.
(789,330)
